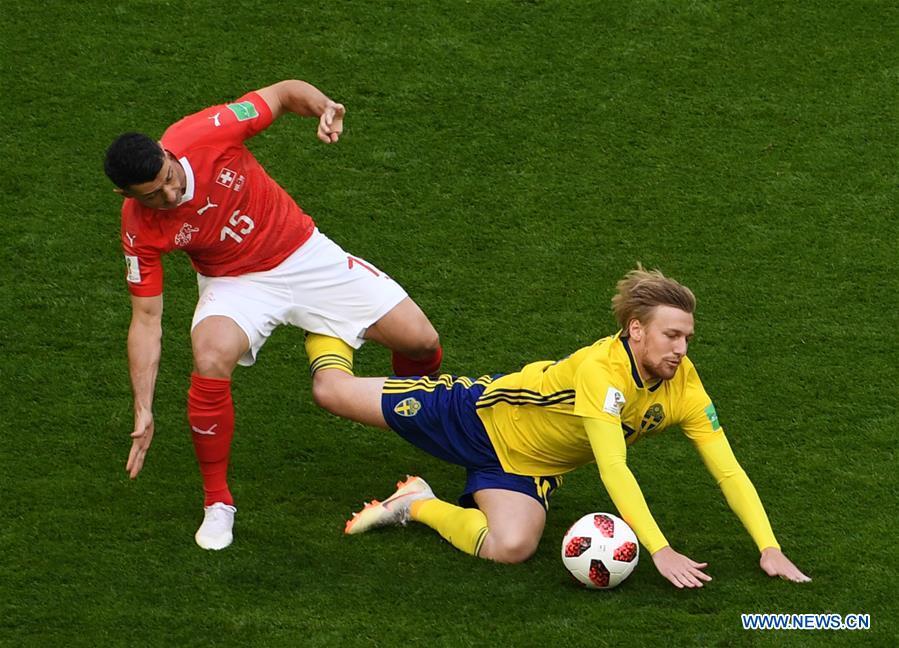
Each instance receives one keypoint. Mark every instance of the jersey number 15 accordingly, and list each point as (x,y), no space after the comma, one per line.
(242,225)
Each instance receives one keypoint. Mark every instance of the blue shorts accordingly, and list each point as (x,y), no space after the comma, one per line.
(438,415)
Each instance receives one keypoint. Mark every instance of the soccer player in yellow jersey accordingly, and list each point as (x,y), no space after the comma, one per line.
(517,433)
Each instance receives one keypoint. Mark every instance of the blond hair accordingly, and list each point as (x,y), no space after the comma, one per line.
(640,291)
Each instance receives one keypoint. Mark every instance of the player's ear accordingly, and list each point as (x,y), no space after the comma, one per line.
(121,192)
(635,330)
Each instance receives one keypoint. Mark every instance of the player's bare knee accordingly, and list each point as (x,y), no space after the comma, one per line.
(322,393)
(327,390)
(213,361)
(431,341)
(427,342)
(512,549)
(518,553)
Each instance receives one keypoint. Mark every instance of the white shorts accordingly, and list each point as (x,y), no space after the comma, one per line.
(319,288)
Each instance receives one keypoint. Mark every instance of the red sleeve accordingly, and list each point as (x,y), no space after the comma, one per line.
(143,261)
(251,112)
(225,124)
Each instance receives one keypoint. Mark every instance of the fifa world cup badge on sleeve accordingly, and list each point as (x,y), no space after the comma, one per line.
(713,416)
(133,267)
(243,110)
(614,402)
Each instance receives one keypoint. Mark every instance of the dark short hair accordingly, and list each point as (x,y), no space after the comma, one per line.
(133,158)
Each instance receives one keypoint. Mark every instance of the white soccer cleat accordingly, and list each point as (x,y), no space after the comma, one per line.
(394,510)
(215,532)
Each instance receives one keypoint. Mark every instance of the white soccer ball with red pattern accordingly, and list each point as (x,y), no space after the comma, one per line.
(600,550)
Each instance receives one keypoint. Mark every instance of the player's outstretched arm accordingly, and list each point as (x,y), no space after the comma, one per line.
(306,100)
(610,451)
(743,499)
(775,563)
(144,351)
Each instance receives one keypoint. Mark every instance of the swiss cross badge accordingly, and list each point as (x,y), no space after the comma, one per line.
(226,177)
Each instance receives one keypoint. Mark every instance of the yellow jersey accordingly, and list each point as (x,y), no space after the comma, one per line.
(551,417)
(534,416)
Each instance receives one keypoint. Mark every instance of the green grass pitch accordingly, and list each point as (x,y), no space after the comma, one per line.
(506,162)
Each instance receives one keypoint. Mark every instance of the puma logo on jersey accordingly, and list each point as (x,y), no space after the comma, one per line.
(215,119)
(130,238)
(209,205)
(207,432)
(183,237)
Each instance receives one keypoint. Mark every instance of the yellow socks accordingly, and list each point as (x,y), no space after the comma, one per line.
(325,352)
(464,528)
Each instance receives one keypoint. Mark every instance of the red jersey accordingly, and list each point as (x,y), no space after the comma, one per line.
(233,218)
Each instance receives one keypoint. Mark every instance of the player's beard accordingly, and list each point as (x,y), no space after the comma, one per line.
(665,370)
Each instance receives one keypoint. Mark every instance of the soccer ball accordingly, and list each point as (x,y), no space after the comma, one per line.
(600,550)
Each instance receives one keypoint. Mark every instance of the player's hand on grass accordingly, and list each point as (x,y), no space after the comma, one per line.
(680,570)
(775,563)
(330,124)
(140,441)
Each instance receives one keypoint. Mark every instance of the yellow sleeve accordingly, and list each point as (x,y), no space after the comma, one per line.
(598,394)
(697,416)
(610,451)
(738,490)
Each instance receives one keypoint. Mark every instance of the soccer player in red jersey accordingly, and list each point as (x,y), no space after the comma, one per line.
(260,262)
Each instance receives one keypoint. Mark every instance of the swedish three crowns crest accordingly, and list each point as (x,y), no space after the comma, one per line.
(407,407)
(654,415)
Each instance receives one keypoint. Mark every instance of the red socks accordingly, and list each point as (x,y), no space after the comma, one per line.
(210,412)
(405,366)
